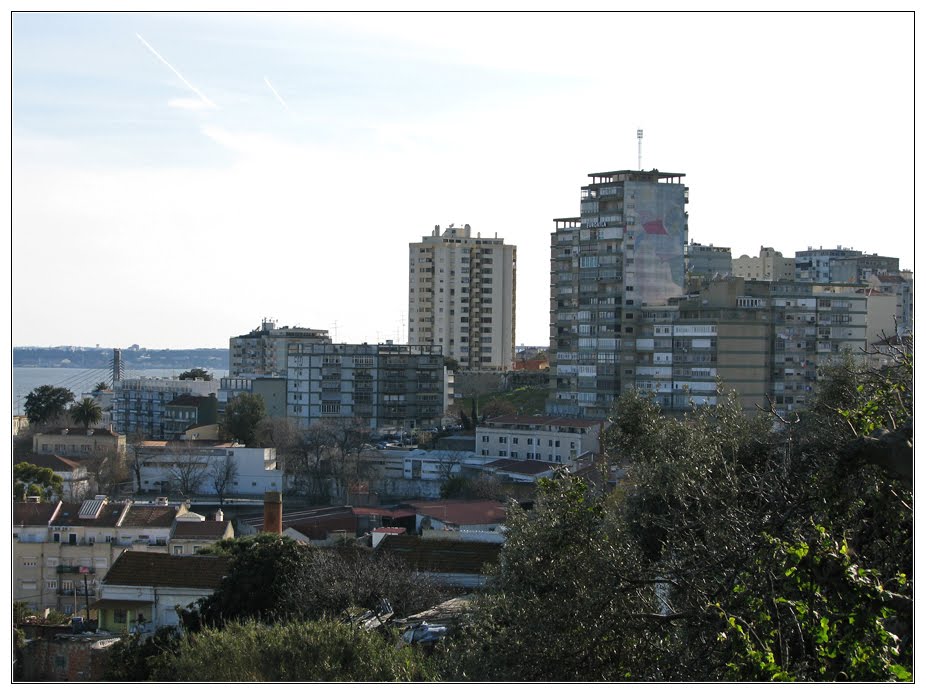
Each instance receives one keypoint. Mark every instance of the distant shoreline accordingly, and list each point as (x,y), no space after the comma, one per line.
(101,358)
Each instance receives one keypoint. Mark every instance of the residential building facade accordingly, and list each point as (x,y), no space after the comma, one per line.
(187,411)
(705,262)
(61,549)
(768,265)
(272,391)
(264,350)
(625,252)
(538,438)
(384,386)
(461,297)
(140,405)
(813,264)
(80,442)
(192,466)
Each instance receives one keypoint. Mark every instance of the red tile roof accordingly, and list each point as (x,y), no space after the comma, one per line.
(160,569)
(462,513)
(33,513)
(149,516)
(445,556)
(201,530)
(69,515)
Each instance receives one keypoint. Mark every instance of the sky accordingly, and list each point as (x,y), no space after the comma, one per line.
(176,178)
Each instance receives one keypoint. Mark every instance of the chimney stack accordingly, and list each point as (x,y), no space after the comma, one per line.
(219,515)
(273,513)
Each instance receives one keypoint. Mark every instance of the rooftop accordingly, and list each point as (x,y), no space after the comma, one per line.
(446,556)
(33,513)
(58,464)
(200,530)
(160,569)
(461,512)
(547,420)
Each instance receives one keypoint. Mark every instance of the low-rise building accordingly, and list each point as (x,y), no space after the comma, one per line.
(80,442)
(192,467)
(60,549)
(141,592)
(538,437)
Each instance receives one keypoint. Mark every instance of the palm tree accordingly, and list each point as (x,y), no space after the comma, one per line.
(87,412)
(102,386)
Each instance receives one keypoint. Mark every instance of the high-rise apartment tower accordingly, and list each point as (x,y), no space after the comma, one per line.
(625,251)
(461,297)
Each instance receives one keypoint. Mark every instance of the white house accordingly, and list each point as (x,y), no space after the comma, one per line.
(191,467)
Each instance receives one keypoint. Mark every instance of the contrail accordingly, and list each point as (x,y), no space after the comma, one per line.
(276,94)
(157,55)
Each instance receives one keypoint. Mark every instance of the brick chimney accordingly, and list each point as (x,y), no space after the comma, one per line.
(273,513)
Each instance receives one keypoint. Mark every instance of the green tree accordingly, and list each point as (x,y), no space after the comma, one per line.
(565,602)
(101,386)
(243,415)
(45,404)
(29,479)
(196,373)
(263,582)
(274,579)
(133,657)
(86,412)
(297,651)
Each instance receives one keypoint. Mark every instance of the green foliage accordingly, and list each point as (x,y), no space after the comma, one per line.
(196,373)
(525,400)
(564,604)
(274,579)
(101,386)
(709,562)
(86,412)
(46,404)
(243,415)
(263,582)
(296,651)
(29,479)
(134,656)
(825,617)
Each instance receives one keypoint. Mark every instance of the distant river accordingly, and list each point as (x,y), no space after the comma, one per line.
(79,381)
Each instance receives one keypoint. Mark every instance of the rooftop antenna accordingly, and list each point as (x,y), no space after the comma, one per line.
(640,148)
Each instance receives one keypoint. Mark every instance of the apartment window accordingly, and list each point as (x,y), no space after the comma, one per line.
(178,550)
(485,437)
(67,585)
(514,440)
(529,441)
(502,453)
(29,562)
(119,616)
(503,440)
(51,585)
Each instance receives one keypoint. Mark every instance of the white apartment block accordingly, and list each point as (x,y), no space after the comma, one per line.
(539,438)
(461,297)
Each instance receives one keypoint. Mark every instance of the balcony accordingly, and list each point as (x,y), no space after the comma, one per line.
(74,569)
